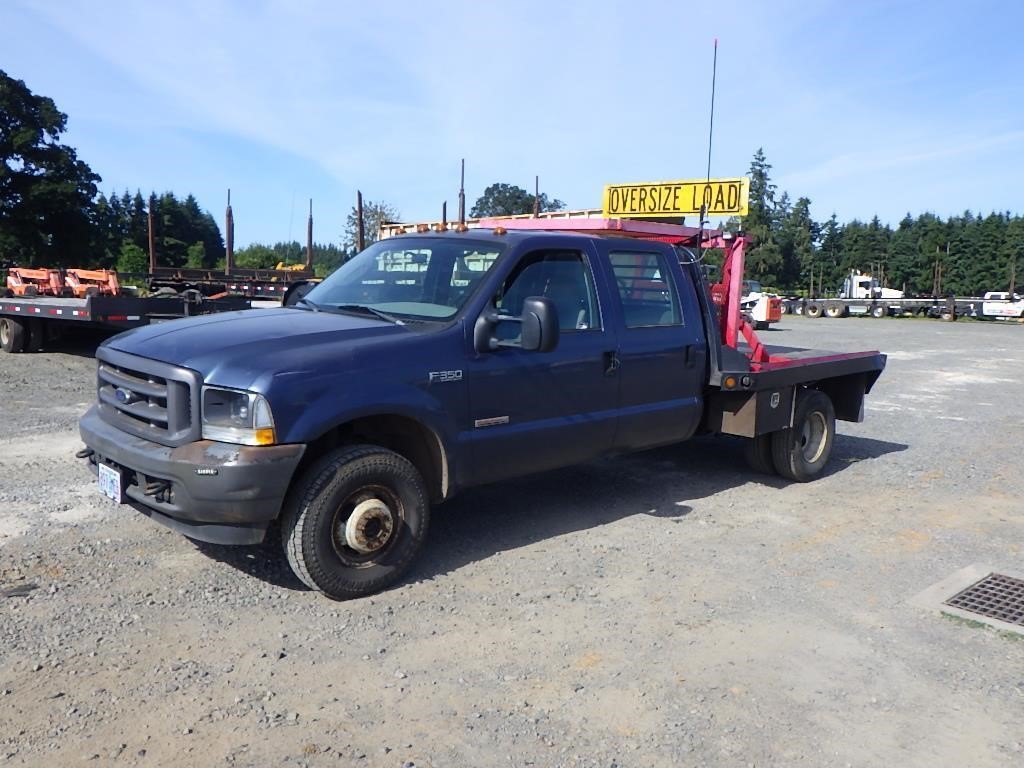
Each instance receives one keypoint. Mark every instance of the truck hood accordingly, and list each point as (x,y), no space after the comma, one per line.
(235,349)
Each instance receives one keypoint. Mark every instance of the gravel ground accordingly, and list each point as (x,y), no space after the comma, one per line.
(663,609)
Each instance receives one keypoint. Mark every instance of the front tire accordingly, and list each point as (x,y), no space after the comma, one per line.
(355,521)
(801,453)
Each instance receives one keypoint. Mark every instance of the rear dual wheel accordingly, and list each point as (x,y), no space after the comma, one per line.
(801,453)
(13,334)
(835,310)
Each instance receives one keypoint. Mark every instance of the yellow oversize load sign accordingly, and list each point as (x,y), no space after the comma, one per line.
(722,197)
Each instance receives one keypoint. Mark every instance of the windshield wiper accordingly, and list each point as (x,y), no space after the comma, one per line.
(362,308)
(308,303)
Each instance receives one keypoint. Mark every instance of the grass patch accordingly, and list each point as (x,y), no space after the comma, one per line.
(971,623)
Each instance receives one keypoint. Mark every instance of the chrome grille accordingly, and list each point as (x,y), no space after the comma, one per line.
(156,399)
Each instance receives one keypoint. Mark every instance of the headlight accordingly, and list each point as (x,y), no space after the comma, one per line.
(237,417)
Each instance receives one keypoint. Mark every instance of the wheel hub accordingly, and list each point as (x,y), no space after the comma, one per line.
(369,526)
(813,437)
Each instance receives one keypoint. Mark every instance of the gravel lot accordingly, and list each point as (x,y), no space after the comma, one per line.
(663,609)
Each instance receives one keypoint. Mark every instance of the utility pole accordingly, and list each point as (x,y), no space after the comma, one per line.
(444,214)
(309,238)
(536,197)
(229,240)
(152,236)
(462,194)
(360,228)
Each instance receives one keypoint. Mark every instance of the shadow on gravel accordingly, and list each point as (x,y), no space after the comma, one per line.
(263,561)
(80,342)
(662,483)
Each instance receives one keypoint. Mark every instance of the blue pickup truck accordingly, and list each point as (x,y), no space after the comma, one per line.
(436,361)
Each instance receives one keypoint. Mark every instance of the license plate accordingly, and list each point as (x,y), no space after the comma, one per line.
(110,482)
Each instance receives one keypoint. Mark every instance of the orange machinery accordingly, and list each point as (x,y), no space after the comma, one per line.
(22,281)
(83,282)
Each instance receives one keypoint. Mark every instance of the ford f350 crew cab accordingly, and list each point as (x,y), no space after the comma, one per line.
(436,361)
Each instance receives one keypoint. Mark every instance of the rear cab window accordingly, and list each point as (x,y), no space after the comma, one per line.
(648,295)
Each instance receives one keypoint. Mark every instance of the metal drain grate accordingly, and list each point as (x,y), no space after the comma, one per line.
(996,596)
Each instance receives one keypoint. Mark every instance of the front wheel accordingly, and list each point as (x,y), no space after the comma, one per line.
(355,521)
(801,453)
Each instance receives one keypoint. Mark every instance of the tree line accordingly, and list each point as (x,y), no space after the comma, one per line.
(966,254)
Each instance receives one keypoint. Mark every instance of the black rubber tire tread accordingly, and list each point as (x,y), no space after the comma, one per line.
(15,334)
(787,455)
(758,453)
(813,310)
(36,335)
(310,501)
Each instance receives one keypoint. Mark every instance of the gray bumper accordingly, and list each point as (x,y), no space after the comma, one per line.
(238,494)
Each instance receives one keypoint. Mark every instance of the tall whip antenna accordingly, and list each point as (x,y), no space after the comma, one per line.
(711,133)
(711,127)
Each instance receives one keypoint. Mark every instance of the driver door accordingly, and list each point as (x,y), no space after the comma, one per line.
(533,411)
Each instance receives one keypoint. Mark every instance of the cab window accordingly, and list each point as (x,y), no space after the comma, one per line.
(648,294)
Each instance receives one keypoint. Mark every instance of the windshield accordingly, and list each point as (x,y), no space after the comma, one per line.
(751,286)
(410,278)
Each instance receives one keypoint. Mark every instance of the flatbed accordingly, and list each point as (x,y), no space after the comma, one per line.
(26,322)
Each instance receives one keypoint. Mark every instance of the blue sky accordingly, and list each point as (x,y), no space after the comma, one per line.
(864,107)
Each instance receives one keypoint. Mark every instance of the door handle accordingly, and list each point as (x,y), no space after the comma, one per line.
(690,357)
(611,363)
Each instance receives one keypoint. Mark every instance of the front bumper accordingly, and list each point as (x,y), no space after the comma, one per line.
(240,491)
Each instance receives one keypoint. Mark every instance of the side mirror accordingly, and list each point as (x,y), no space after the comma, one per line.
(539,332)
(540,324)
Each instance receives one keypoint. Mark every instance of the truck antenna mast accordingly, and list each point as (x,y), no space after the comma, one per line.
(711,133)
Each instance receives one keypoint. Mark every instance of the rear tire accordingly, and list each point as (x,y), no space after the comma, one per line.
(801,453)
(813,310)
(835,310)
(879,312)
(758,453)
(12,334)
(366,484)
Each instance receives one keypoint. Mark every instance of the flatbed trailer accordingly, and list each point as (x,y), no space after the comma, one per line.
(940,308)
(251,283)
(26,323)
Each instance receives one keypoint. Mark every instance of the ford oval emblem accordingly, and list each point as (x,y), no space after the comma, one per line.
(125,396)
